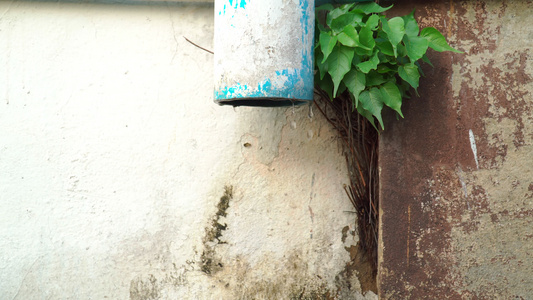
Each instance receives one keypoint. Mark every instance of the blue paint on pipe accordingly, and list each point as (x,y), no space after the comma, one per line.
(293,87)
(235,4)
(308,23)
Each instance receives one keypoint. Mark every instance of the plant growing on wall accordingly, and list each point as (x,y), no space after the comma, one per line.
(364,62)
(374,58)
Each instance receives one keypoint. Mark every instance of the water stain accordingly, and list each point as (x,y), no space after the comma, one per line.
(210,263)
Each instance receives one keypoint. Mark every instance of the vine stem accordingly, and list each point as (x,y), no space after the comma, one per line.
(198,46)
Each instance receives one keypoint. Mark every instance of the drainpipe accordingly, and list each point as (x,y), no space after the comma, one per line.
(264,51)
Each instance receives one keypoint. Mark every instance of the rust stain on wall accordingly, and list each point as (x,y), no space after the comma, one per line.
(449,227)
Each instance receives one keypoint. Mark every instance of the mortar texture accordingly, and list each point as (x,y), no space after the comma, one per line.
(457,173)
(120,178)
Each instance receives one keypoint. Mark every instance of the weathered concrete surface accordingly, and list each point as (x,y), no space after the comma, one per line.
(120,178)
(457,172)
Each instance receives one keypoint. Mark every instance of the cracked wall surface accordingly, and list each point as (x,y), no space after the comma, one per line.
(457,173)
(120,178)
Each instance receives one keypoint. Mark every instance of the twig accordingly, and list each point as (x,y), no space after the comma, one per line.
(198,46)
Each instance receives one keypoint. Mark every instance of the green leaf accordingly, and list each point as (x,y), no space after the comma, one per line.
(420,69)
(416,47)
(426,60)
(404,89)
(355,81)
(385,58)
(371,101)
(436,40)
(395,30)
(356,59)
(385,47)
(322,67)
(366,38)
(368,65)
(335,13)
(371,7)
(363,52)
(347,19)
(326,85)
(410,74)
(339,63)
(341,89)
(373,78)
(327,42)
(402,54)
(411,26)
(365,113)
(391,96)
(387,68)
(372,22)
(349,36)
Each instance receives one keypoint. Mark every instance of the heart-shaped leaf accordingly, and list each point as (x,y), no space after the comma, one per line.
(368,65)
(410,74)
(349,37)
(391,96)
(327,42)
(415,46)
(339,63)
(371,101)
(436,40)
(355,81)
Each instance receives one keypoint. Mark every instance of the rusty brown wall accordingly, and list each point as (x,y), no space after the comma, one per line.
(456,174)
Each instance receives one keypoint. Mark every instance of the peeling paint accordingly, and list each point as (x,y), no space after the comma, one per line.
(473,146)
(469,193)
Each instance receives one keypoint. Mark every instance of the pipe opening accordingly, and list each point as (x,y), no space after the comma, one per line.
(262,102)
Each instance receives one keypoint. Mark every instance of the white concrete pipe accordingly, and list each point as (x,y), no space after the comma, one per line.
(264,52)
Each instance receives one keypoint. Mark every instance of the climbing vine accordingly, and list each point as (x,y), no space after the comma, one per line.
(374,58)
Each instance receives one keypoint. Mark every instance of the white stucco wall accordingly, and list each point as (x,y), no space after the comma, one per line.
(113,159)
